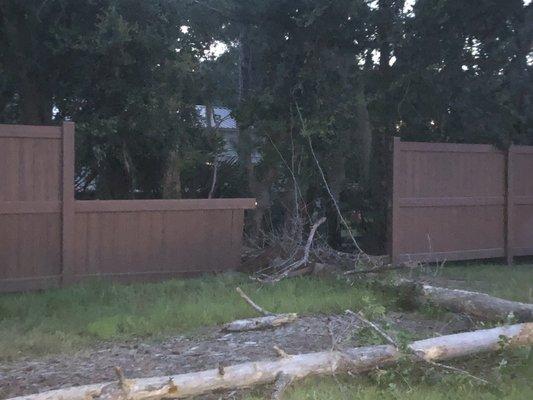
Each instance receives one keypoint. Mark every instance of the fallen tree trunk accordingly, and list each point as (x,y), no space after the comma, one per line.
(293,367)
(478,305)
(268,321)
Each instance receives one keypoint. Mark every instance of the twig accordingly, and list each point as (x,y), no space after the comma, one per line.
(281,353)
(374,270)
(332,335)
(121,378)
(247,299)
(360,317)
(389,339)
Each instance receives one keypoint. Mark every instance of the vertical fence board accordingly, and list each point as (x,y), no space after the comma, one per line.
(510,204)
(67,202)
(522,196)
(30,218)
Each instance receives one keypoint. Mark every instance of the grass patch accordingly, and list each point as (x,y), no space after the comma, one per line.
(508,282)
(63,320)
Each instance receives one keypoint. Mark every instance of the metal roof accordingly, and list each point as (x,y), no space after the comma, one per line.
(221,116)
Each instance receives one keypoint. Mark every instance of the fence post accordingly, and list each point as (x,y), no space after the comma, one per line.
(395,229)
(67,202)
(509,205)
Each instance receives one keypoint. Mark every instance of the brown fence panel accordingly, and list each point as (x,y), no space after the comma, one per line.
(31,173)
(520,201)
(151,239)
(47,238)
(449,202)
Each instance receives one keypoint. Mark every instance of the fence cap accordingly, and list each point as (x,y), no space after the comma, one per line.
(164,205)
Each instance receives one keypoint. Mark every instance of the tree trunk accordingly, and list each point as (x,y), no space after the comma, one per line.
(364,134)
(480,306)
(36,107)
(172,178)
(353,360)
(336,175)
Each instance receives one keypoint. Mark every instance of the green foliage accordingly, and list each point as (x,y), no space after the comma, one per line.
(123,70)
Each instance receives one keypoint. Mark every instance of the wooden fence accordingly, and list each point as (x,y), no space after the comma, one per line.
(461,201)
(47,238)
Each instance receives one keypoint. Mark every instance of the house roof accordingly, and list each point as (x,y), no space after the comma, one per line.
(221,115)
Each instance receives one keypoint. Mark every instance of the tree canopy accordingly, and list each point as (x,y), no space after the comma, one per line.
(318,88)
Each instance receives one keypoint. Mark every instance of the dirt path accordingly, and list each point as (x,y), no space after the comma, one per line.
(206,349)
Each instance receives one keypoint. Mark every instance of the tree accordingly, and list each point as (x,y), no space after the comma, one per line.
(123,70)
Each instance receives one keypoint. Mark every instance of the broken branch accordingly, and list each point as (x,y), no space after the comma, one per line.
(247,299)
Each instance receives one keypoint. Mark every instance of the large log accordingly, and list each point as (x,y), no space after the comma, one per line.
(480,306)
(249,374)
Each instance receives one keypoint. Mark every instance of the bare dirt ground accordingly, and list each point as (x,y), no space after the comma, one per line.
(206,349)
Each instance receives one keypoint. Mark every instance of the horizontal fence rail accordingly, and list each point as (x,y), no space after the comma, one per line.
(461,201)
(48,239)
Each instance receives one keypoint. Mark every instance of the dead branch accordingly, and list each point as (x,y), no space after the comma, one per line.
(376,270)
(291,269)
(310,240)
(266,322)
(354,360)
(252,304)
(280,352)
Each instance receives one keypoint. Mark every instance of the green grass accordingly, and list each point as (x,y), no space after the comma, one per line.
(509,282)
(67,319)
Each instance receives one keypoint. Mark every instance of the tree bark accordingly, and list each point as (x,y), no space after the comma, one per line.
(353,360)
(480,306)
(172,178)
